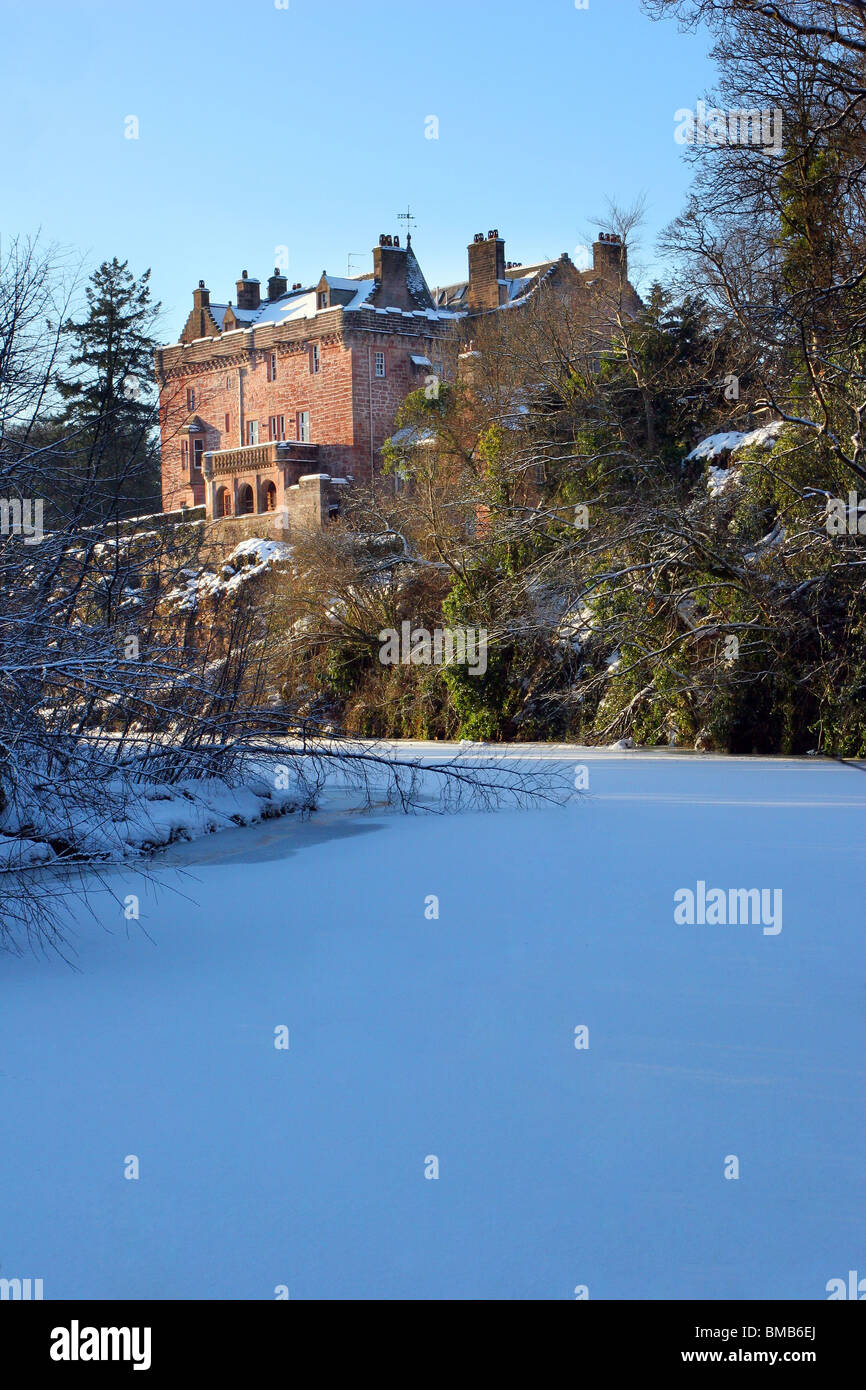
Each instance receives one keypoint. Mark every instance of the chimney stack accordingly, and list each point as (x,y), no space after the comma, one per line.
(277,284)
(200,297)
(248,292)
(486,272)
(609,257)
(389,272)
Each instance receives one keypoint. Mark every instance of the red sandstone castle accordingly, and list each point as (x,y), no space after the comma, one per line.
(274,405)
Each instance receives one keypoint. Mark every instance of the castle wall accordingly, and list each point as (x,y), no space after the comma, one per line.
(350,408)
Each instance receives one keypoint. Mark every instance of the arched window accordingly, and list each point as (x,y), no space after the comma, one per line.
(223,502)
(269,498)
(246,504)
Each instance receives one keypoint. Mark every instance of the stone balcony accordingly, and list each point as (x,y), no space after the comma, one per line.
(279,480)
(260,458)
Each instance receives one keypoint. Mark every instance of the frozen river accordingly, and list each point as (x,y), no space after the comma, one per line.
(580,1067)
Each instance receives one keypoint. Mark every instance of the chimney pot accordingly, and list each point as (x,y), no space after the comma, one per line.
(609,256)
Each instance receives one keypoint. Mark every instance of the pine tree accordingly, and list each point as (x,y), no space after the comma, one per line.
(109,390)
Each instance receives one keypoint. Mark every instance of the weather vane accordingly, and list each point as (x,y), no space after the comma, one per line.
(409,218)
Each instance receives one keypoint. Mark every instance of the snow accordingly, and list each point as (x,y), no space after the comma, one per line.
(299,306)
(721,480)
(151,816)
(730,440)
(454,1037)
(21,853)
(415,282)
(262,550)
(408,436)
(248,560)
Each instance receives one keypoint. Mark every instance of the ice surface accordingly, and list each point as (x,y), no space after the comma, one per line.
(454,1037)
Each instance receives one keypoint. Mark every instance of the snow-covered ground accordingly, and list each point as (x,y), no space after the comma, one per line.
(412,1036)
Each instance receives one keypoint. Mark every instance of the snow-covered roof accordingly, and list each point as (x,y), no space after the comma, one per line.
(245,315)
(338,282)
(518,281)
(410,436)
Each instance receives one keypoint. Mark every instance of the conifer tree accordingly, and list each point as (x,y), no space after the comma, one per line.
(110,397)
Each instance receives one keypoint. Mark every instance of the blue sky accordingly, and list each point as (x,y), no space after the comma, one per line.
(305,127)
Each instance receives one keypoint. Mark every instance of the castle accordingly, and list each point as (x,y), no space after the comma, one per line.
(276,405)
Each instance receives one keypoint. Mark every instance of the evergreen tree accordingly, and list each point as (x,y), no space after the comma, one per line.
(110,393)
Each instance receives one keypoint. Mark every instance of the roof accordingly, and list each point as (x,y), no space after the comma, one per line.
(411,437)
(518,280)
(303,304)
(415,299)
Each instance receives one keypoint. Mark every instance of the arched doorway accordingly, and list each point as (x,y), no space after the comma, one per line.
(223,502)
(246,503)
(269,497)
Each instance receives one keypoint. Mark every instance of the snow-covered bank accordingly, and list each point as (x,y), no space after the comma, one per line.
(412,1035)
(134,820)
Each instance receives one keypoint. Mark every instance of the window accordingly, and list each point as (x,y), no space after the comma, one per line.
(272,366)
(228,422)
(190,398)
(322,300)
(303,426)
(197,451)
(380,364)
(228,383)
(184,453)
(314,358)
(277,427)
(252,431)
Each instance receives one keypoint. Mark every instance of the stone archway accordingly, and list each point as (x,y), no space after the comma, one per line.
(246,501)
(269,497)
(223,502)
